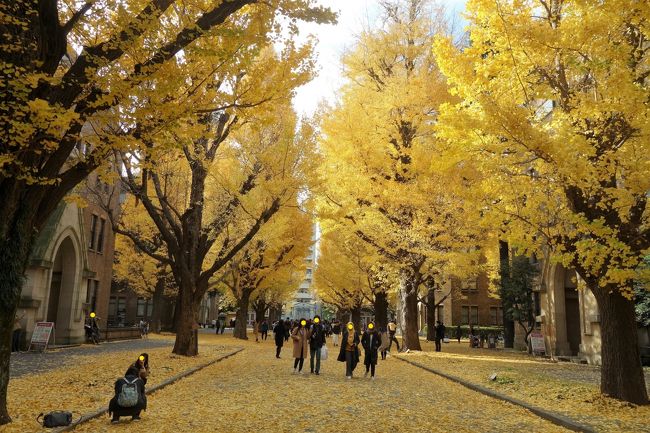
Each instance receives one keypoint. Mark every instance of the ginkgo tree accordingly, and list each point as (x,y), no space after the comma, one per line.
(553,118)
(377,144)
(65,65)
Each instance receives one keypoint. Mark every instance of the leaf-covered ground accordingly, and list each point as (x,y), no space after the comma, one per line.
(84,382)
(254,392)
(566,388)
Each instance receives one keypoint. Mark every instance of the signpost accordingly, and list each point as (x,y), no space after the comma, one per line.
(537,343)
(41,335)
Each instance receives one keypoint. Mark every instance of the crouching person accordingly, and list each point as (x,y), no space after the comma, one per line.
(129,399)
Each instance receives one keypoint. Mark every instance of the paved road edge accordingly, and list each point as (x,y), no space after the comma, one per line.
(99,412)
(555,418)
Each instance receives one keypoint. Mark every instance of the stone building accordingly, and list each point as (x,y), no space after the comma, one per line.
(70,270)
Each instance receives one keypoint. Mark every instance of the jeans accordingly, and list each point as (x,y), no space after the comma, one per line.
(349,356)
(371,368)
(313,351)
(297,363)
(335,339)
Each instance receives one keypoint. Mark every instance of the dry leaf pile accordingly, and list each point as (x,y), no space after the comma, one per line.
(558,387)
(85,384)
(254,392)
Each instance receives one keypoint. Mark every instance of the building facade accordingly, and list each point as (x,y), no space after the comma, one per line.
(305,302)
(70,269)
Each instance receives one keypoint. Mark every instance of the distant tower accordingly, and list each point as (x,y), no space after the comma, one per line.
(305,302)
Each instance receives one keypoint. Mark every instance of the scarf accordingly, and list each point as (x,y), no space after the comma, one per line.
(350,337)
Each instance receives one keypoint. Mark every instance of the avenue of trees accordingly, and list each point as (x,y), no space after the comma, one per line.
(532,131)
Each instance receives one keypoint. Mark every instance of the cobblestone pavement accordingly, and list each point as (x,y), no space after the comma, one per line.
(34,362)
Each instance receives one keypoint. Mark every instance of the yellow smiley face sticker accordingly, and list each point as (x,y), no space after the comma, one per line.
(317,320)
(370,326)
(303,322)
(141,358)
(350,327)
(92,315)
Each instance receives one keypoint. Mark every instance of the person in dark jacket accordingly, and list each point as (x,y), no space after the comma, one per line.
(371,340)
(142,365)
(280,333)
(349,352)
(316,342)
(264,330)
(459,333)
(115,410)
(440,335)
(287,329)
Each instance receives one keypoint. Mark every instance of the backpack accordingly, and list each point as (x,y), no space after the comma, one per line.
(128,396)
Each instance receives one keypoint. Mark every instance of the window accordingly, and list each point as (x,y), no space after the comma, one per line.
(464,315)
(142,307)
(149,307)
(469,315)
(469,286)
(538,304)
(93,231)
(473,314)
(496,316)
(117,310)
(100,235)
(91,294)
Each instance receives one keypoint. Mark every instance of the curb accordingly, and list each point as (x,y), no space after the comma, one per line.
(555,418)
(99,412)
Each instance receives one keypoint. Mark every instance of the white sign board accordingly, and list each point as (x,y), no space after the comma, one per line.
(537,342)
(41,335)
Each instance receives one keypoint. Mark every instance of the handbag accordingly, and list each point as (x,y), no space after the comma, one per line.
(323,353)
(55,419)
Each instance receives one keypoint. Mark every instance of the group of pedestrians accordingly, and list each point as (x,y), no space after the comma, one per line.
(309,337)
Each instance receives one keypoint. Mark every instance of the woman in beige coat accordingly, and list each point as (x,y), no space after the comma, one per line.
(300,337)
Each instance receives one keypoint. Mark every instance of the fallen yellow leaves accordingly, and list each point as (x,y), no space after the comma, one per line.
(86,384)
(558,387)
(254,392)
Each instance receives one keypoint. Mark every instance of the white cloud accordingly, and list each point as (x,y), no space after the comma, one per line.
(333,40)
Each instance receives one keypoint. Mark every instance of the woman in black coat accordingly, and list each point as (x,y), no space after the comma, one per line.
(115,410)
(279,332)
(349,352)
(370,341)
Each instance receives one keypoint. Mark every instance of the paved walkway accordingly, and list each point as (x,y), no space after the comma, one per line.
(34,362)
(253,391)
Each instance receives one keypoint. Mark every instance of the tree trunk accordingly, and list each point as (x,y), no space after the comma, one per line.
(381,309)
(186,322)
(275,313)
(355,314)
(15,248)
(410,336)
(621,374)
(241,319)
(504,274)
(158,300)
(260,311)
(431,315)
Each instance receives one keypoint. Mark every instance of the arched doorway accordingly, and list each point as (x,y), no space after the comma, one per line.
(572,306)
(62,288)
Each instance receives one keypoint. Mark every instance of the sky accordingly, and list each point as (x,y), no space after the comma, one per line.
(333,40)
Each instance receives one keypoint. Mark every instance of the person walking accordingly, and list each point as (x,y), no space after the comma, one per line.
(384,342)
(256,330)
(287,328)
(216,326)
(440,335)
(316,342)
(336,332)
(371,340)
(264,329)
(349,352)
(459,333)
(279,332)
(300,336)
(392,329)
